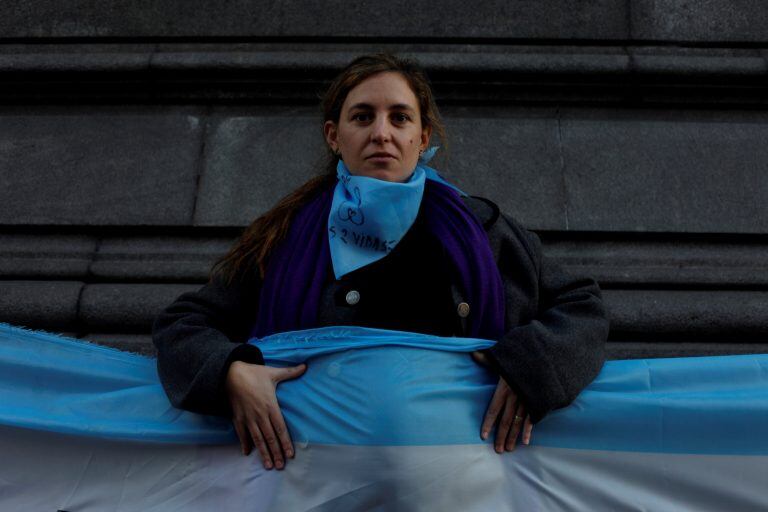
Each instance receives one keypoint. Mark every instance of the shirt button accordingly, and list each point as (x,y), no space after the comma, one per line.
(463,310)
(353,297)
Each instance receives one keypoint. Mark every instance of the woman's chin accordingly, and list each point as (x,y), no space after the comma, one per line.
(385,173)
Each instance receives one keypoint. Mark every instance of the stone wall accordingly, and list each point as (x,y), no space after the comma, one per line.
(137,141)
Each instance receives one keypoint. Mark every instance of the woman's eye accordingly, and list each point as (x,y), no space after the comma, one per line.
(360,117)
(401,117)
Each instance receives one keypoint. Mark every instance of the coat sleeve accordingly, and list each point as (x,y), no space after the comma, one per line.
(197,338)
(549,360)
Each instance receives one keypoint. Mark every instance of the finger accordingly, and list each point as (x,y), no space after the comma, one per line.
(494,408)
(261,446)
(480,358)
(278,423)
(506,422)
(527,429)
(517,424)
(270,438)
(291,372)
(242,435)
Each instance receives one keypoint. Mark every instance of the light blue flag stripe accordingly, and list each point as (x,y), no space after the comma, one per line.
(59,384)
(374,387)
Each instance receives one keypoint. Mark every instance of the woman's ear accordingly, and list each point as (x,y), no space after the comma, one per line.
(426,133)
(331,135)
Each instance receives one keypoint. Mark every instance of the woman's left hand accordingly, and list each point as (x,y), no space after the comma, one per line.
(509,410)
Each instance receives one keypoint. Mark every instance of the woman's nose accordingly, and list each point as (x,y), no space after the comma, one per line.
(380,130)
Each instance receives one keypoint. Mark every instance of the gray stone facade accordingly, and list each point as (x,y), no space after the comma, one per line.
(136,143)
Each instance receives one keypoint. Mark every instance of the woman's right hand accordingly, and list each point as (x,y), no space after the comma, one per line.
(255,412)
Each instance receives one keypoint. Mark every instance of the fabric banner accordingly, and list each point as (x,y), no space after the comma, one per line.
(381,420)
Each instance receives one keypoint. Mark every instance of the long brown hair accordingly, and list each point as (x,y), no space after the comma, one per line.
(251,251)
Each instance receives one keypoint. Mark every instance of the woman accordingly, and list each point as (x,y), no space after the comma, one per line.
(404,250)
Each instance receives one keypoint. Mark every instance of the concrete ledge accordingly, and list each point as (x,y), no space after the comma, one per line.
(126,307)
(166,258)
(682,261)
(636,315)
(688,315)
(698,63)
(321,60)
(136,343)
(678,262)
(640,350)
(52,256)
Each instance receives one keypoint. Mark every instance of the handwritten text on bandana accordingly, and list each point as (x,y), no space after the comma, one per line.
(369,217)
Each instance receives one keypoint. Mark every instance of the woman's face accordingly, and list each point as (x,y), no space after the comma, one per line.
(379,131)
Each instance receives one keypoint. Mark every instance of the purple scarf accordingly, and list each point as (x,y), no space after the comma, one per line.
(300,265)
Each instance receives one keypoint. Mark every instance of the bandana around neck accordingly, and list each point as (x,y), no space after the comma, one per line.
(369,216)
(297,270)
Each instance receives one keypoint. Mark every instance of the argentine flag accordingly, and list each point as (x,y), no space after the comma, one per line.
(381,420)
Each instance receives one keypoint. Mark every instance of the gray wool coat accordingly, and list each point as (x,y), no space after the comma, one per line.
(554,348)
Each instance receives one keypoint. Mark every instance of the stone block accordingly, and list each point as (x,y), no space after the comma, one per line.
(666,171)
(98,165)
(49,305)
(126,308)
(728,21)
(510,156)
(252,161)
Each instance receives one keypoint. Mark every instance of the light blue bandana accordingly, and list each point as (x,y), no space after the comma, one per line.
(370,216)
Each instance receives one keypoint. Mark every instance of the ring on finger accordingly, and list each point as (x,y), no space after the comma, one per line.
(518,419)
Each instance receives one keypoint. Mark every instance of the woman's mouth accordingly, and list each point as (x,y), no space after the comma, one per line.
(381,158)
